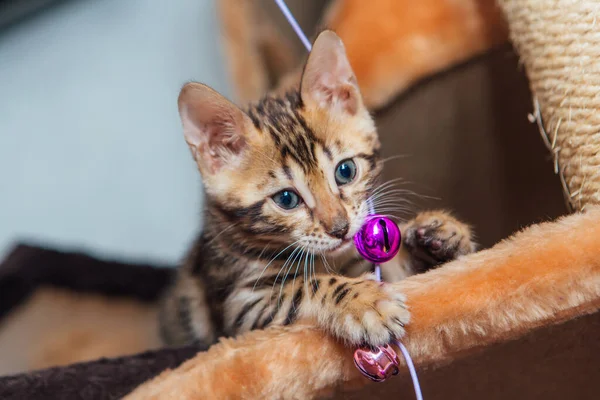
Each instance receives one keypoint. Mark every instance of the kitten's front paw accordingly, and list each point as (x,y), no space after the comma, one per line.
(373,314)
(435,237)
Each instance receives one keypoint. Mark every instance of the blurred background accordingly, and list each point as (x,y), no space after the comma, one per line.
(91,150)
(92,156)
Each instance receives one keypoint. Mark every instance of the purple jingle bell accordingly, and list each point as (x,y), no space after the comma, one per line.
(378,240)
(377,364)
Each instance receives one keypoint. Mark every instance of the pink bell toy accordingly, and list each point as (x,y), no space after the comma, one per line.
(378,240)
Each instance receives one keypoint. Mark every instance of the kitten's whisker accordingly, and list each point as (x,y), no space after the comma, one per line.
(394,217)
(363,210)
(288,272)
(283,267)
(393,190)
(405,192)
(323,262)
(397,156)
(397,214)
(314,268)
(306,272)
(393,201)
(304,255)
(270,262)
(393,182)
(380,207)
(220,233)
(327,266)
(393,204)
(401,210)
(394,193)
(264,249)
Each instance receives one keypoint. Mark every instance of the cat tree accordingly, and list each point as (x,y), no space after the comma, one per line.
(559,43)
(530,281)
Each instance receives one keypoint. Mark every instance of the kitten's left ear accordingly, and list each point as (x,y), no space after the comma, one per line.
(215,129)
(328,80)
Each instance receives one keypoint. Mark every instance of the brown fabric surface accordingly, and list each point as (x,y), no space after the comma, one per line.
(465,140)
(28,267)
(102,379)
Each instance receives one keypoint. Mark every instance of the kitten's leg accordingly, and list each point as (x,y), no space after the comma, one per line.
(433,238)
(358,310)
(355,310)
(184,315)
(558,263)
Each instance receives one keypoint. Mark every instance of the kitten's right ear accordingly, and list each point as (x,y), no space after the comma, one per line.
(328,80)
(214,128)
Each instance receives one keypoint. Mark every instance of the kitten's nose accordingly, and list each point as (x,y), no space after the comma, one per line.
(339,228)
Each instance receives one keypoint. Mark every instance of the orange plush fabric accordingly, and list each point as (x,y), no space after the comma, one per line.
(544,275)
(393,43)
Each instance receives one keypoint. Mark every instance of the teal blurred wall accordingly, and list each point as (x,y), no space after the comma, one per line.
(91,151)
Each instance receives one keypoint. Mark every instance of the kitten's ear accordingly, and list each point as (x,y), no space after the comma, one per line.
(328,80)
(214,128)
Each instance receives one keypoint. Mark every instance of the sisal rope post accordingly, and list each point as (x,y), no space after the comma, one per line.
(559,44)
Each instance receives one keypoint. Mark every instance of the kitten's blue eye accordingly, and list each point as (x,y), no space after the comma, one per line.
(345,172)
(286,199)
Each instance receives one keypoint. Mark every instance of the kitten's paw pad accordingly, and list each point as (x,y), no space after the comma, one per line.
(374,314)
(436,237)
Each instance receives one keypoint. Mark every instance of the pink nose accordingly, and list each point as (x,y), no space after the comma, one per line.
(378,363)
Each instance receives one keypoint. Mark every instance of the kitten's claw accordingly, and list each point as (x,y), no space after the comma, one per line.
(436,237)
(374,314)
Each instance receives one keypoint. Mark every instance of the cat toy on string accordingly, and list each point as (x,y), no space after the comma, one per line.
(378,241)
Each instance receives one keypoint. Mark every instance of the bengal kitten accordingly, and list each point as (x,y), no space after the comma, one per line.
(286,185)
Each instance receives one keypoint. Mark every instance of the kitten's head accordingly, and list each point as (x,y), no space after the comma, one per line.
(293,168)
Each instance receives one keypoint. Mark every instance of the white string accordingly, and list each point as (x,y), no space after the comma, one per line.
(411,369)
(407,358)
(288,15)
(409,363)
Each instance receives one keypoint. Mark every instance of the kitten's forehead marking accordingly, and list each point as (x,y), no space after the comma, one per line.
(282,120)
(328,168)
(298,179)
(305,192)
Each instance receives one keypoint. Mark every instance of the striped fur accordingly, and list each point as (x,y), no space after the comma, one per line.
(256,265)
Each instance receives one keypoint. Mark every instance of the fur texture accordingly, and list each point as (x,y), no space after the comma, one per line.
(546,274)
(259,263)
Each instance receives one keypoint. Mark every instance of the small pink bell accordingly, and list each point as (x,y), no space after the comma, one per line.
(378,240)
(378,363)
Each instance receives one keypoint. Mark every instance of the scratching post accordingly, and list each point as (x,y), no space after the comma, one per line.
(559,44)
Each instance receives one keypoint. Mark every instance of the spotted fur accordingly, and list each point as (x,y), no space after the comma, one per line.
(256,264)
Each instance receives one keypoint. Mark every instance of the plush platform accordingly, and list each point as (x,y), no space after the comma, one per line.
(59,311)
(552,362)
